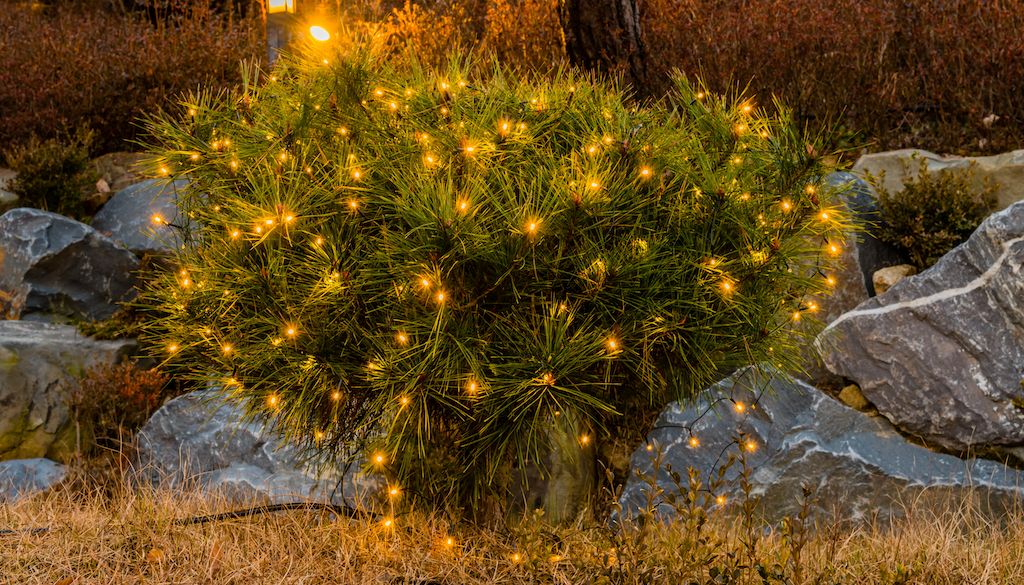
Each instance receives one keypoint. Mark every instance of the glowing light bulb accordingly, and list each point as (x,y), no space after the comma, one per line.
(548,378)
(394,492)
(441,296)
(388,523)
(403,400)
(833,249)
(649,447)
(594,185)
(739,406)
(720,500)
(227,348)
(289,218)
(429,159)
(750,445)
(786,205)
(613,344)
(584,440)
(727,286)
(336,395)
(694,442)
(531,227)
(273,400)
(172,348)
(831,280)
(471,387)
(353,204)
(379,458)
(810,189)
(319,33)
(503,127)
(158,219)
(291,331)
(402,338)
(592,149)
(318,436)
(357,174)
(645,172)
(463,205)
(517,558)
(449,542)
(823,216)
(796,315)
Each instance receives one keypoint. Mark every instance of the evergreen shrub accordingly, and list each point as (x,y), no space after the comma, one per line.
(933,212)
(439,267)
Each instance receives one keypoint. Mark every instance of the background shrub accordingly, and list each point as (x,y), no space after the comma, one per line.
(933,213)
(54,173)
(70,65)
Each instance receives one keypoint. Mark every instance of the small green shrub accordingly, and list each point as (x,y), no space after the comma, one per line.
(52,174)
(933,213)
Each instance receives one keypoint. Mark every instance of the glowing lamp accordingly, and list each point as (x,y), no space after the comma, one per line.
(319,33)
(280,6)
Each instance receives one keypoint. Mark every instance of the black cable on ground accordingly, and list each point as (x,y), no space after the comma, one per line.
(341,510)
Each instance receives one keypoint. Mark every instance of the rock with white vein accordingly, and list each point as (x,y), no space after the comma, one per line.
(941,353)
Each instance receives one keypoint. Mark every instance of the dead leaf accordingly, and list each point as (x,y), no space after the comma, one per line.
(155,555)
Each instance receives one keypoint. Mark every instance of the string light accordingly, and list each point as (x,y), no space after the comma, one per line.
(739,406)
(449,542)
(158,219)
(402,338)
(336,395)
(594,185)
(503,127)
(645,172)
(463,205)
(796,315)
(786,205)
(532,226)
(357,174)
(584,440)
(694,442)
(379,458)
(834,249)
(404,400)
(830,280)
(388,523)
(823,216)
(548,379)
(441,296)
(291,331)
(172,348)
(613,345)
(750,445)
(720,499)
(273,400)
(227,348)
(394,492)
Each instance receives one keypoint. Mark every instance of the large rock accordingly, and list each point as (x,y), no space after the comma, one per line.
(50,263)
(1006,169)
(38,362)
(20,478)
(128,217)
(941,353)
(854,466)
(201,439)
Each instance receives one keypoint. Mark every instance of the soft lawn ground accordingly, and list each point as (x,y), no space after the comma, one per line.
(116,535)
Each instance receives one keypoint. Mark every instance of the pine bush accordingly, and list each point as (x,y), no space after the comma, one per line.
(437,267)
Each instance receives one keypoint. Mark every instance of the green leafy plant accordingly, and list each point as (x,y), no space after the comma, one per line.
(934,212)
(454,269)
(53,174)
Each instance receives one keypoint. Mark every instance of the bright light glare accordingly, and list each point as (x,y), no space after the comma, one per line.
(319,33)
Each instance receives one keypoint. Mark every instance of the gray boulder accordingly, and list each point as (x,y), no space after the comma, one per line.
(50,263)
(128,217)
(941,353)
(38,362)
(23,477)
(201,439)
(1006,170)
(855,467)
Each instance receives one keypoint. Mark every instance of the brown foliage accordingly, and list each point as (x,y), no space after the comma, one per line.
(65,67)
(111,402)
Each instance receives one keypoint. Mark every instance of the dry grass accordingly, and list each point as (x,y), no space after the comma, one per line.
(118,535)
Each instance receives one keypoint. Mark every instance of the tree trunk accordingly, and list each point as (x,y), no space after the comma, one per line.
(606,36)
